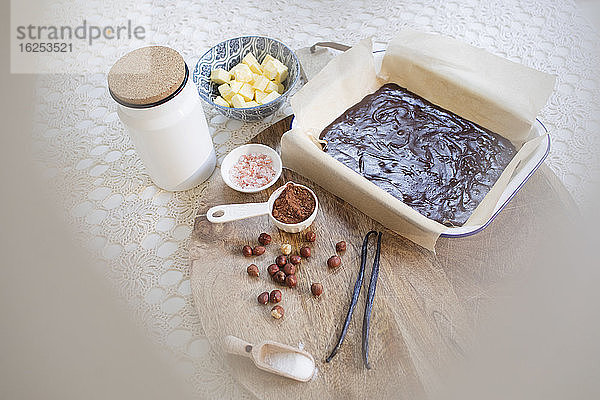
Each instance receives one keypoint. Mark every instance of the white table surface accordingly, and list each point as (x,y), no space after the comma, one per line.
(140,232)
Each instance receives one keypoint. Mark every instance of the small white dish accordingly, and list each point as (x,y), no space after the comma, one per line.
(235,212)
(234,155)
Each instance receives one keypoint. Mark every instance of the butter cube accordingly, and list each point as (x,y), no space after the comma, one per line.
(261,83)
(275,70)
(252,63)
(236,86)
(258,96)
(265,60)
(270,97)
(221,101)
(280,88)
(220,76)
(254,78)
(242,73)
(238,101)
(252,104)
(232,71)
(256,68)
(282,71)
(249,59)
(271,87)
(226,91)
(247,92)
(270,70)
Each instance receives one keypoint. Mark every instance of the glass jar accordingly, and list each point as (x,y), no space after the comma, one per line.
(161,109)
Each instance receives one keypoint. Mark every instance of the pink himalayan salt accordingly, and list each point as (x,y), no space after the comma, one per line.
(252,171)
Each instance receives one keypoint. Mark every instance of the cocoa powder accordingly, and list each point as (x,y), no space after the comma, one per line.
(294,205)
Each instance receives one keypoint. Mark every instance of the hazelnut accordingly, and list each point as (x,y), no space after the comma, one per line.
(281,261)
(277,312)
(291,281)
(289,269)
(316,289)
(279,277)
(264,239)
(295,259)
(252,270)
(247,251)
(275,296)
(272,269)
(263,298)
(258,250)
(334,262)
(340,246)
(310,236)
(286,249)
(305,252)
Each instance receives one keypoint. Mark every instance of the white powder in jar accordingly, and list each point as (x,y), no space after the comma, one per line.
(291,363)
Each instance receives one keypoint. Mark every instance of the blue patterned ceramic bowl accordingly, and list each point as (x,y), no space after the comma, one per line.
(229,53)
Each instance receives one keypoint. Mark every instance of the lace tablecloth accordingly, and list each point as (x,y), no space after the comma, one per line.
(141,232)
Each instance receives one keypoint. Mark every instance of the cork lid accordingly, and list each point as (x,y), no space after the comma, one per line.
(147,76)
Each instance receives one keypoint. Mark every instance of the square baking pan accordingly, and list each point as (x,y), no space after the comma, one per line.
(519,178)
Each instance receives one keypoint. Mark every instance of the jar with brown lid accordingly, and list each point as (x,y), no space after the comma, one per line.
(161,109)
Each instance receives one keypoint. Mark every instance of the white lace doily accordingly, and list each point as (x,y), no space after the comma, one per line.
(141,232)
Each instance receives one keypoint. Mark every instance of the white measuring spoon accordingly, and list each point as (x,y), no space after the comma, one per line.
(274,357)
(234,212)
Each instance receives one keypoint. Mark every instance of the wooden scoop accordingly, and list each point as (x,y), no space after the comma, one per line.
(274,357)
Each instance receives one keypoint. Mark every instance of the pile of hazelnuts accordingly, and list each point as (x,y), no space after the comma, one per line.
(283,270)
(273,297)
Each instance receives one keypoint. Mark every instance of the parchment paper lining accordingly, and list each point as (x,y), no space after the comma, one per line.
(495,93)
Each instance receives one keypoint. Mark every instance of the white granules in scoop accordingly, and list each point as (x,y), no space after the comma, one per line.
(291,363)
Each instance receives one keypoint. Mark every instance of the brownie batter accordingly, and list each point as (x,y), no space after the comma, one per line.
(438,163)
